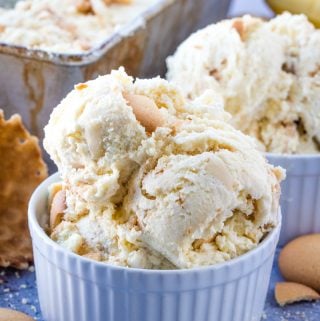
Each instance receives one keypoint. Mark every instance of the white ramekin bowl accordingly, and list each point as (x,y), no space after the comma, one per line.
(73,288)
(300,195)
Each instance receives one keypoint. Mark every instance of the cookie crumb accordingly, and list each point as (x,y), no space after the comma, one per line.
(24,301)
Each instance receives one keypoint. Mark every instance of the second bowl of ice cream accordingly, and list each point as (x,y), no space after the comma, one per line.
(161,210)
(267,75)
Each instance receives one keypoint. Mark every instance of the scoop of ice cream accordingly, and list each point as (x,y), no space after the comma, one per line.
(206,197)
(150,180)
(94,139)
(267,73)
(97,138)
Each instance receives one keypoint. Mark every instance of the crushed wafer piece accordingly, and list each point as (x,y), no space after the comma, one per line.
(239,26)
(21,171)
(81,86)
(146,111)
(290,292)
(94,256)
(57,208)
(118,1)
(86,7)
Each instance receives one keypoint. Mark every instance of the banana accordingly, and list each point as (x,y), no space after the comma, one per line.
(311,8)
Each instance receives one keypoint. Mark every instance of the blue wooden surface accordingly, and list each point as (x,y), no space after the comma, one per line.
(18,291)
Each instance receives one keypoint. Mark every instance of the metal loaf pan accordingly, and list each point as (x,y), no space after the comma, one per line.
(32,82)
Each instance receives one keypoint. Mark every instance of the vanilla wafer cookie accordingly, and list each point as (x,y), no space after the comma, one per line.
(10,315)
(291,292)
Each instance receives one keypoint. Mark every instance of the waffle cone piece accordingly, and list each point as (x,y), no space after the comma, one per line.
(21,170)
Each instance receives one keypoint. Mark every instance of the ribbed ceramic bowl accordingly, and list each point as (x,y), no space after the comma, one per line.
(300,195)
(72,288)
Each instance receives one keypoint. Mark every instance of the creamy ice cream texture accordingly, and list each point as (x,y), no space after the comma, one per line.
(267,73)
(68,26)
(173,187)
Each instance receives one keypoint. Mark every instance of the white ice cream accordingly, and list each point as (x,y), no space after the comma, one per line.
(267,73)
(64,26)
(193,192)
(206,197)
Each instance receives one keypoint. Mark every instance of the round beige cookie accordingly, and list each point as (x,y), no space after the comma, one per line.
(299,261)
(12,315)
(291,292)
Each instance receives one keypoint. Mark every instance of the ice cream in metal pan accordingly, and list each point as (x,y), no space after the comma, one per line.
(66,27)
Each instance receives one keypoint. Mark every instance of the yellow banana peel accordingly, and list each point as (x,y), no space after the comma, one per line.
(311,8)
